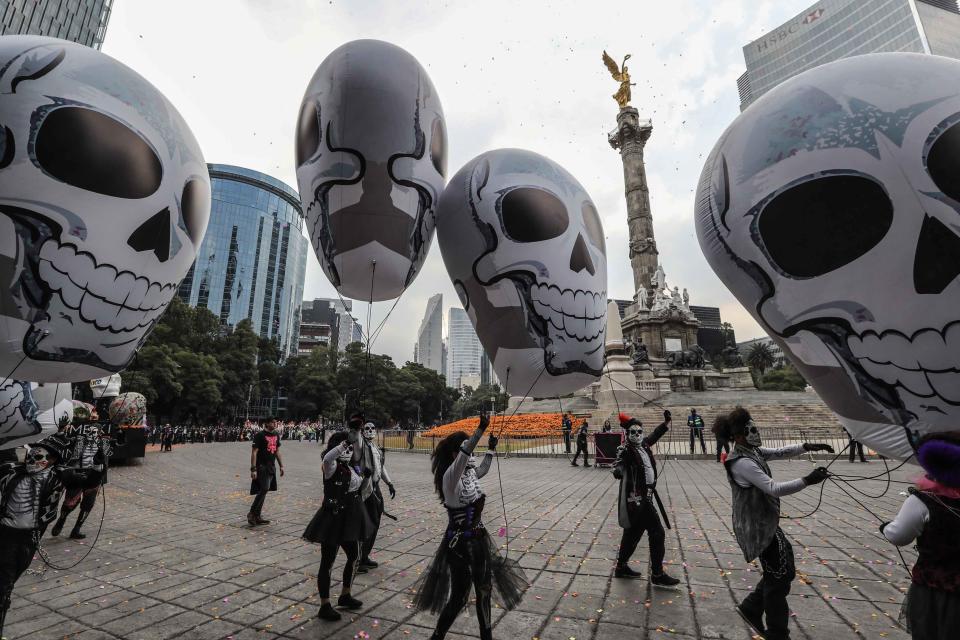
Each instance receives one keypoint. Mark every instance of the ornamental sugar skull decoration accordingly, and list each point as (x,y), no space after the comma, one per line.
(830,209)
(524,246)
(371,162)
(104,200)
(30,412)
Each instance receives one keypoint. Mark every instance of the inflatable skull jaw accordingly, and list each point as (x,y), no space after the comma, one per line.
(805,210)
(29,412)
(371,163)
(107,196)
(523,206)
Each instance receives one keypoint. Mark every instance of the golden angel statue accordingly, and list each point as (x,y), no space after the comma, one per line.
(621,75)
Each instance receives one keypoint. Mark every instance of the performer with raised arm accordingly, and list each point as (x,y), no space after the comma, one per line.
(930,516)
(29,494)
(756,518)
(340,523)
(466,555)
(636,469)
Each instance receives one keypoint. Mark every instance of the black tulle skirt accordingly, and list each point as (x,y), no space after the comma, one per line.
(508,580)
(346,522)
(931,614)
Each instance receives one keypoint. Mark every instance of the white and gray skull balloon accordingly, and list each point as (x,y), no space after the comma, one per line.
(29,412)
(371,162)
(524,246)
(104,200)
(830,209)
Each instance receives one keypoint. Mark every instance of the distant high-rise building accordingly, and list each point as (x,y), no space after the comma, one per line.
(464,352)
(429,348)
(81,21)
(253,259)
(711,335)
(336,314)
(833,29)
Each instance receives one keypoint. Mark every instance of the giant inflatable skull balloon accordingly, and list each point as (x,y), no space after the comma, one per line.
(104,200)
(831,209)
(524,246)
(371,162)
(30,412)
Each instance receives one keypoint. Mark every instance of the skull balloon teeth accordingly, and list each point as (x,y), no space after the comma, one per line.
(580,315)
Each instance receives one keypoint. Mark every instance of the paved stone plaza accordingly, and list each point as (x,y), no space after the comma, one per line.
(176,558)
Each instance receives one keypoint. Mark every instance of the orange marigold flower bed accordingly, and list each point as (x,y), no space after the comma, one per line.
(528,425)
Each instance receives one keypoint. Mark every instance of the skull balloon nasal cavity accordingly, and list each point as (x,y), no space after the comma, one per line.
(831,210)
(153,235)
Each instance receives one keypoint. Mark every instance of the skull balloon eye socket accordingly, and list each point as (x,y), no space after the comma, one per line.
(438,147)
(823,224)
(92,151)
(943,162)
(591,220)
(529,214)
(308,132)
(195,209)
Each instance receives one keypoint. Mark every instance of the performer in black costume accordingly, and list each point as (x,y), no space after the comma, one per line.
(756,518)
(374,459)
(931,517)
(636,468)
(87,468)
(29,495)
(340,523)
(466,554)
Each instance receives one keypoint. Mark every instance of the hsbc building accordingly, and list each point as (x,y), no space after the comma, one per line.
(833,29)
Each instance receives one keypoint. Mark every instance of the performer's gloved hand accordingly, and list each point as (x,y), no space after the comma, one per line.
(812,446)
(492,442)
(667,416)
(281,471)
(393,492)
(816,476)
(484,422)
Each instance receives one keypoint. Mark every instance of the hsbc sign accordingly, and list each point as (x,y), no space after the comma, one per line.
(784,32)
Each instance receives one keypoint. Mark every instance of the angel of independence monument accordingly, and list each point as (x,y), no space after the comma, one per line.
(659,329)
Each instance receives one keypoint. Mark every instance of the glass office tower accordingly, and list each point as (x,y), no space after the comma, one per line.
(253,260)
(82,21)
(833,29)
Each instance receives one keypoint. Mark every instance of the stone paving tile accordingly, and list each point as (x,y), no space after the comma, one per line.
(176,559)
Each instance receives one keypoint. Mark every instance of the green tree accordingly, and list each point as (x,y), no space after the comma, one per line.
(760,356)
(201,377)
(786,378)
(236,353)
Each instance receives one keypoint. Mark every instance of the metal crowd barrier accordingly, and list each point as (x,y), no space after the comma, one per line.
(675,443)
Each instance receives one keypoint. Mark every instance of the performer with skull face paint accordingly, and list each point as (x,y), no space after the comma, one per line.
(636,468)
(373,500)
(756,517)
(29,494)
(466,553)
(90,451)
(340,523)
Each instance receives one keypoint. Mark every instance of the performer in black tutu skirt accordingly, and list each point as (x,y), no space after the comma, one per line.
(341,523)
(466,555)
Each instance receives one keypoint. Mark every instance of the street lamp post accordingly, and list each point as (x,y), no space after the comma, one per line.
(493,405)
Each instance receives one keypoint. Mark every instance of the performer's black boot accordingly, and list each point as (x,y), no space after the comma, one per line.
(327,612)
(81,518)
(58,525)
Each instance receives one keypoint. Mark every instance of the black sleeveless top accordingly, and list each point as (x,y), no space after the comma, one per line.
(938,564)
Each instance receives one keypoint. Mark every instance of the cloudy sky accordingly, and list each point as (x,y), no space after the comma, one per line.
(509,73)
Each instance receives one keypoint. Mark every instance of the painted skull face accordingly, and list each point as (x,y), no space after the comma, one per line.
(369,432)
(104,200)
(524,246)
(30,412)
(371,163)
(830,208)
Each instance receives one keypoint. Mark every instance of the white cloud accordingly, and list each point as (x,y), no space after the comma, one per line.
(517,74)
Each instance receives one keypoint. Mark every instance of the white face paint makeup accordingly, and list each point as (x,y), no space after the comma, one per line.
(753,435)
(369,432)
(635,435)
(37,460)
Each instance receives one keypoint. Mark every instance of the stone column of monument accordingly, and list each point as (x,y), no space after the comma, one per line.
(629,138)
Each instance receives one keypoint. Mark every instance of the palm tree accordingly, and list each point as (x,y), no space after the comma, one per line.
(760,356)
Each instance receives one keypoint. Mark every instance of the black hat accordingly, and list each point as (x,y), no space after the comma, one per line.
(56,445)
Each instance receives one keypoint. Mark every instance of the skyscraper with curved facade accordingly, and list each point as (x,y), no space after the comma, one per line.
(253,260)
